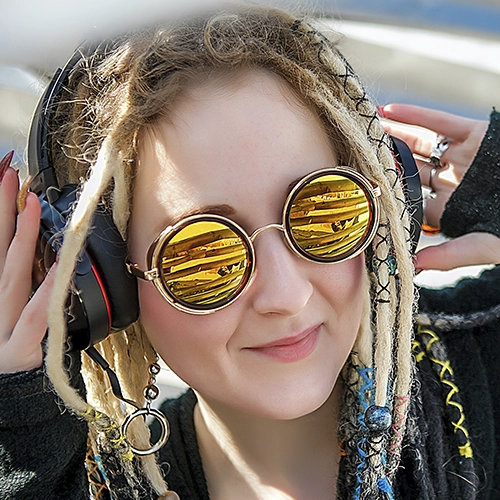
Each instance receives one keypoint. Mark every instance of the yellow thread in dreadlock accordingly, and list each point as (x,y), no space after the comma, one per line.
(111,427)
(128,455)
(417,346)
(466,449)
(92,415)
(116,442)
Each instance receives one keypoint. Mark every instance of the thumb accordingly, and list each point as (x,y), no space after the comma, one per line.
(468,250)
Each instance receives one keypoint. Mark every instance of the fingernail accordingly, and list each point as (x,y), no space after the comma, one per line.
(21,195)
(380,110)
(5,164)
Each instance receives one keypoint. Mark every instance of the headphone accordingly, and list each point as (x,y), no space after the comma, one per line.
(104,297)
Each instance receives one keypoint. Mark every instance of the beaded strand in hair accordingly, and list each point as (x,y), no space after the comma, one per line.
(399,241)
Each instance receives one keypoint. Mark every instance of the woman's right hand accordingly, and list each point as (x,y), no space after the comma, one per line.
(23,321)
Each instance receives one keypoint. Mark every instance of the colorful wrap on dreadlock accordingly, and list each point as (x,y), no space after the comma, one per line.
(137,80)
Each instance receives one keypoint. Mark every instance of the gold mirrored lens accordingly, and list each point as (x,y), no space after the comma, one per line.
(205,263)
(329,217)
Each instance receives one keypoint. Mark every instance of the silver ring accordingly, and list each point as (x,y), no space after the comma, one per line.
(165,429)
(442,144)
(432,193)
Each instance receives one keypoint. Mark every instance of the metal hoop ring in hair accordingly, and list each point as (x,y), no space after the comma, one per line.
(165,429)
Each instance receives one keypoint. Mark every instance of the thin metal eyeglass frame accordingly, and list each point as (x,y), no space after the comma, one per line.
(155,251)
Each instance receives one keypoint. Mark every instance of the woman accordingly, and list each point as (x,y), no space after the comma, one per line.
(298,353)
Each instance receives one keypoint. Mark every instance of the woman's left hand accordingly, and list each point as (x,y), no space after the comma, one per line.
(466,136)
(468,250)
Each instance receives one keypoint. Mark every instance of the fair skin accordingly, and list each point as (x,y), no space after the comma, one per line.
(262,411)
(245,134)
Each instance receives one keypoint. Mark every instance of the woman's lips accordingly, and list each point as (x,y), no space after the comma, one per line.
(289,349)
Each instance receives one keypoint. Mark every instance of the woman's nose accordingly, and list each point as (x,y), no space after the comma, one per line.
(281,285)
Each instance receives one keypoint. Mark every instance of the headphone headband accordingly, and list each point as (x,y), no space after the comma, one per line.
(40,161)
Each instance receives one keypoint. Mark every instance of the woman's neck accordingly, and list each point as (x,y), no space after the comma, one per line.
(261,458)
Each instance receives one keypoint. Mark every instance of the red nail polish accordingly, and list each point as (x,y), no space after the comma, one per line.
(380,110)
(5,164)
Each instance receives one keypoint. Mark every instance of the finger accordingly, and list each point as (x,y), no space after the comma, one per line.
(15,282)
(468,250)
(442,178)
(420,142)
(23,349)
(447,124)
(433,209)
(8,192)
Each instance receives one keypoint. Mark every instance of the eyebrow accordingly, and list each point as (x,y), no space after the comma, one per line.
(222,209)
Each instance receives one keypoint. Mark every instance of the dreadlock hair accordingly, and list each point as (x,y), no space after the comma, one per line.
(134,82)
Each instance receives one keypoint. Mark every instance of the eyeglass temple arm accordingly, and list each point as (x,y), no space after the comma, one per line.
(134,270)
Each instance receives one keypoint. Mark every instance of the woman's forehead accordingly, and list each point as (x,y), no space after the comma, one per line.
(217,147)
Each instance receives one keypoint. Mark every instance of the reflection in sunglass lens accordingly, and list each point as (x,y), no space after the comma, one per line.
(329,217)
(205,264)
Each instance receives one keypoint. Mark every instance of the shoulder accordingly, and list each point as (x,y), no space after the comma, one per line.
(469,295)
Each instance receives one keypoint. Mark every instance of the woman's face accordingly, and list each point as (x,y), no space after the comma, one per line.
(278,349)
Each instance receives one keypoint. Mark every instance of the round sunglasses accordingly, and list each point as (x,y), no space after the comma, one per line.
(204,262)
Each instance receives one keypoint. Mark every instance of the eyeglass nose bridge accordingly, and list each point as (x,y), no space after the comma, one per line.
(259,230)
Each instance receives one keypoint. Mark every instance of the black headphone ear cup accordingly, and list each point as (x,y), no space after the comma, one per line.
(103,298)
(412,186)
(108,253)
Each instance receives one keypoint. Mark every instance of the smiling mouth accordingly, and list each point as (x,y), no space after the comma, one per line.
(290,349)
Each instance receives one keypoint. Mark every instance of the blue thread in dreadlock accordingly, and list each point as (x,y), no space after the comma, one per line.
(385,486)
(383,483)
(365,395)
(100,466)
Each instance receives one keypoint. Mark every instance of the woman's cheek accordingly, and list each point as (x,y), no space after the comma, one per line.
(343,284)
(181,339)
(164,325)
